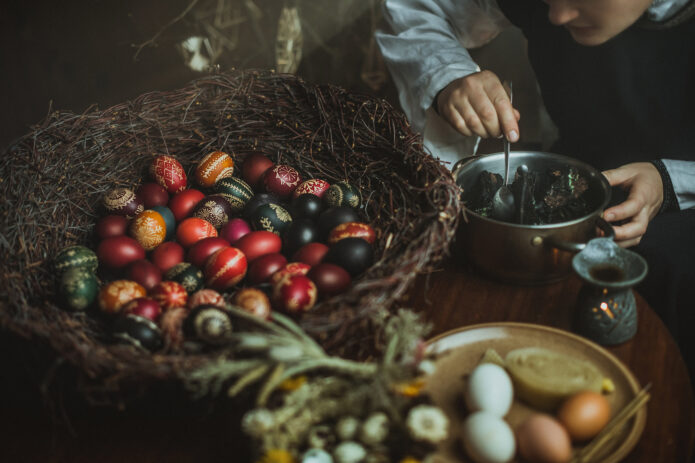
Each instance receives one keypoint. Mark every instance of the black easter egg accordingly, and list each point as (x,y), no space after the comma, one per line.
(306,206)
(208,323)
(188,275)
(214,209)
(137,331)
(353,254)
(257,201)
(297,234)
(342,194)
(236,191)
(271,217)
(334,216)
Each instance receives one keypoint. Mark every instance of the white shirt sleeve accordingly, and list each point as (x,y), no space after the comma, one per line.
(682,175)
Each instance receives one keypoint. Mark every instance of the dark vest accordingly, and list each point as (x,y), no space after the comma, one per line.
(629,99)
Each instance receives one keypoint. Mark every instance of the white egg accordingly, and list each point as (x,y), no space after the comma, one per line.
(487,438)
(489,388)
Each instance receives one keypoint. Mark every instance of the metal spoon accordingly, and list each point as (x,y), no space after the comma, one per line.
(503,202)
(522,172)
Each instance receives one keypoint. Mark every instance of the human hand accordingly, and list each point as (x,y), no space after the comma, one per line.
(645,196)
(478,104)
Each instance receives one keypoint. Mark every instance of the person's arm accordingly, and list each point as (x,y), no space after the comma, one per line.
(682,176)
(425,49)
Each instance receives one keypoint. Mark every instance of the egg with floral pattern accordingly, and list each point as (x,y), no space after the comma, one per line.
(281,180)
(148,229)
(114,295)
(214,209)
(169,173)
(342,194)
(190,276)
(271,217)
(314,186)
(169,294)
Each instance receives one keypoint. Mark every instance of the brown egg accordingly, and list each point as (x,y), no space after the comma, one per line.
(584,414)
(542,439)
(253,301)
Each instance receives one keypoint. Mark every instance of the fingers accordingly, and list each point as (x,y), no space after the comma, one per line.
(624,210)
(617,176)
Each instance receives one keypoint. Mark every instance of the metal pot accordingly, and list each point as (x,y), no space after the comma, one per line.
(528,254)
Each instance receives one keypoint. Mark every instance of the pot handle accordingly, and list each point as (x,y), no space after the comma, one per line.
(576,247)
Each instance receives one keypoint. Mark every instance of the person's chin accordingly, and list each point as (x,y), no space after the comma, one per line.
(588,36)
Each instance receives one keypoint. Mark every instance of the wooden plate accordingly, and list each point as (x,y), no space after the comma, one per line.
(459,351)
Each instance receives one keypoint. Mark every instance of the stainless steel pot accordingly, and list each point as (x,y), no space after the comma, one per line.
(528,254)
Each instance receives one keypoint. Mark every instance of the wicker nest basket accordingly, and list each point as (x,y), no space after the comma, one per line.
(53,179)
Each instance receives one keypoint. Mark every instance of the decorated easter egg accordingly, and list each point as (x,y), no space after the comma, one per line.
(352,230)
(329,279)
(255,165)
(342,194)
(353,254)
(233,230)
(169,220)
(148,229)
(257,201)
(182,204)
(152,194)
(311,253)
(166,255)
(297,234)
(214,209)
(194,229)
(171,326)
(236,191)
(290,269)
(111,225)
(75,257)
(281,180)
(314,186)
(225,268)
(294,294)
(209,324)
(169,294)
(213,167)
(206,296)
(200,251)
(143,307)
(123,201)
(113,296)
(259,243)
(262,269)
(271,217)
(78,288)
(169,173)
(334,216)
(253,301)
(306,206)
(119,251)
(145,273)
(190,276)
(137,331)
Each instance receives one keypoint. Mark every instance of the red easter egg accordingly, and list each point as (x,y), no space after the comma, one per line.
(263,268)
(194,229)
(123,201)
(166,255)
(145,273)
(148,229)
(152,194)
(311,253)
(169,294)
(314,186)
(171,324)
(225,268)
(182,204)
(143,307)
(113,296)
(213,167)
(294,294)
(254,167)
(352,230)
(259,243)
(169,173)
(329,279)
(253,301)
(291,269)
(200,251)
(233,230)
(118,251)
(206,296)
(281,180)
(111,225)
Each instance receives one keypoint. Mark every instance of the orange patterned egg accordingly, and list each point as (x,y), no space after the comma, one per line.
(169,173)
(169,294)
(352,230)
(117,294)
(215,166)
(148,229)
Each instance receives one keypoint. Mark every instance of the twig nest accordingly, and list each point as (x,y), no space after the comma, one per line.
(257,422)
(375,429)
(317,456)
(427,423)
(349,452)
(347,427)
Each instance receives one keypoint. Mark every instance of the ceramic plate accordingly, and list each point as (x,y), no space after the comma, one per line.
(459,351)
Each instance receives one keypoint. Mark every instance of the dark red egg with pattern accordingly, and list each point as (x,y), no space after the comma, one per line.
(194,229)
(182,204)
(253,301)
(291,269)
(118,251)
(206,296)
(295,294)
(352,230)
(281,180)
(314,186)
(254,167)
(200,251)
(264,267)
(111,225)
(116,294)
(329,279)
(169,294)
(213,208)
(311,253)
(169,173)
(152,194)
(233,230)
(143,307)
(166,255)
(259,243)
(225,268)
(123,201)
(145,273)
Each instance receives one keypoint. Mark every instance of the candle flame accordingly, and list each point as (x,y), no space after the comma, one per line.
(604,306)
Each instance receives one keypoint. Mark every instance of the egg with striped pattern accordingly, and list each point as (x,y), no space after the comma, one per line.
(213,167)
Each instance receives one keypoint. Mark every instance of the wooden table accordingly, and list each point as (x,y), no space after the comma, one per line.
(165,427)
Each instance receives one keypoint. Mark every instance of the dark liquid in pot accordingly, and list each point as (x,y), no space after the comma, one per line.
(607,273)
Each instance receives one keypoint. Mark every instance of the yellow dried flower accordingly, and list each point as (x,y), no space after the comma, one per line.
(277,456)
(291,384)
(411,388)
(410,460)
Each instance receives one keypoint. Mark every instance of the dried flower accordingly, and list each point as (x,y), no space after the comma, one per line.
(277,456)
(410,388)
(349,452)
(427,423)
(257,422)
(317,456)
(375,429)
(290,384)
(409,460)
(426,367)
(320,437)
(347,427)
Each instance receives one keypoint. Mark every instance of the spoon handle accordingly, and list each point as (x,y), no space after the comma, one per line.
(506,141)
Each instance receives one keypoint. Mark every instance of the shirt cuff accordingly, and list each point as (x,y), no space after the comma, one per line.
(670,202)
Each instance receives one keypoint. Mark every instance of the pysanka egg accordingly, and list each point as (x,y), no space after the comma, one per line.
(76,257)
(294,294)
(194,229)
(137,331)
(342,194)
(169,294)
(352,230)
(281,180)
(169,173)
(148,229)
(208,323)
(314,186)
(123,201)
(215,209)
(236,191)
(271,217)
(213,167)
(190,276)
(113,296)
(78,288)
(253,301)
(206,296)
(225,268)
